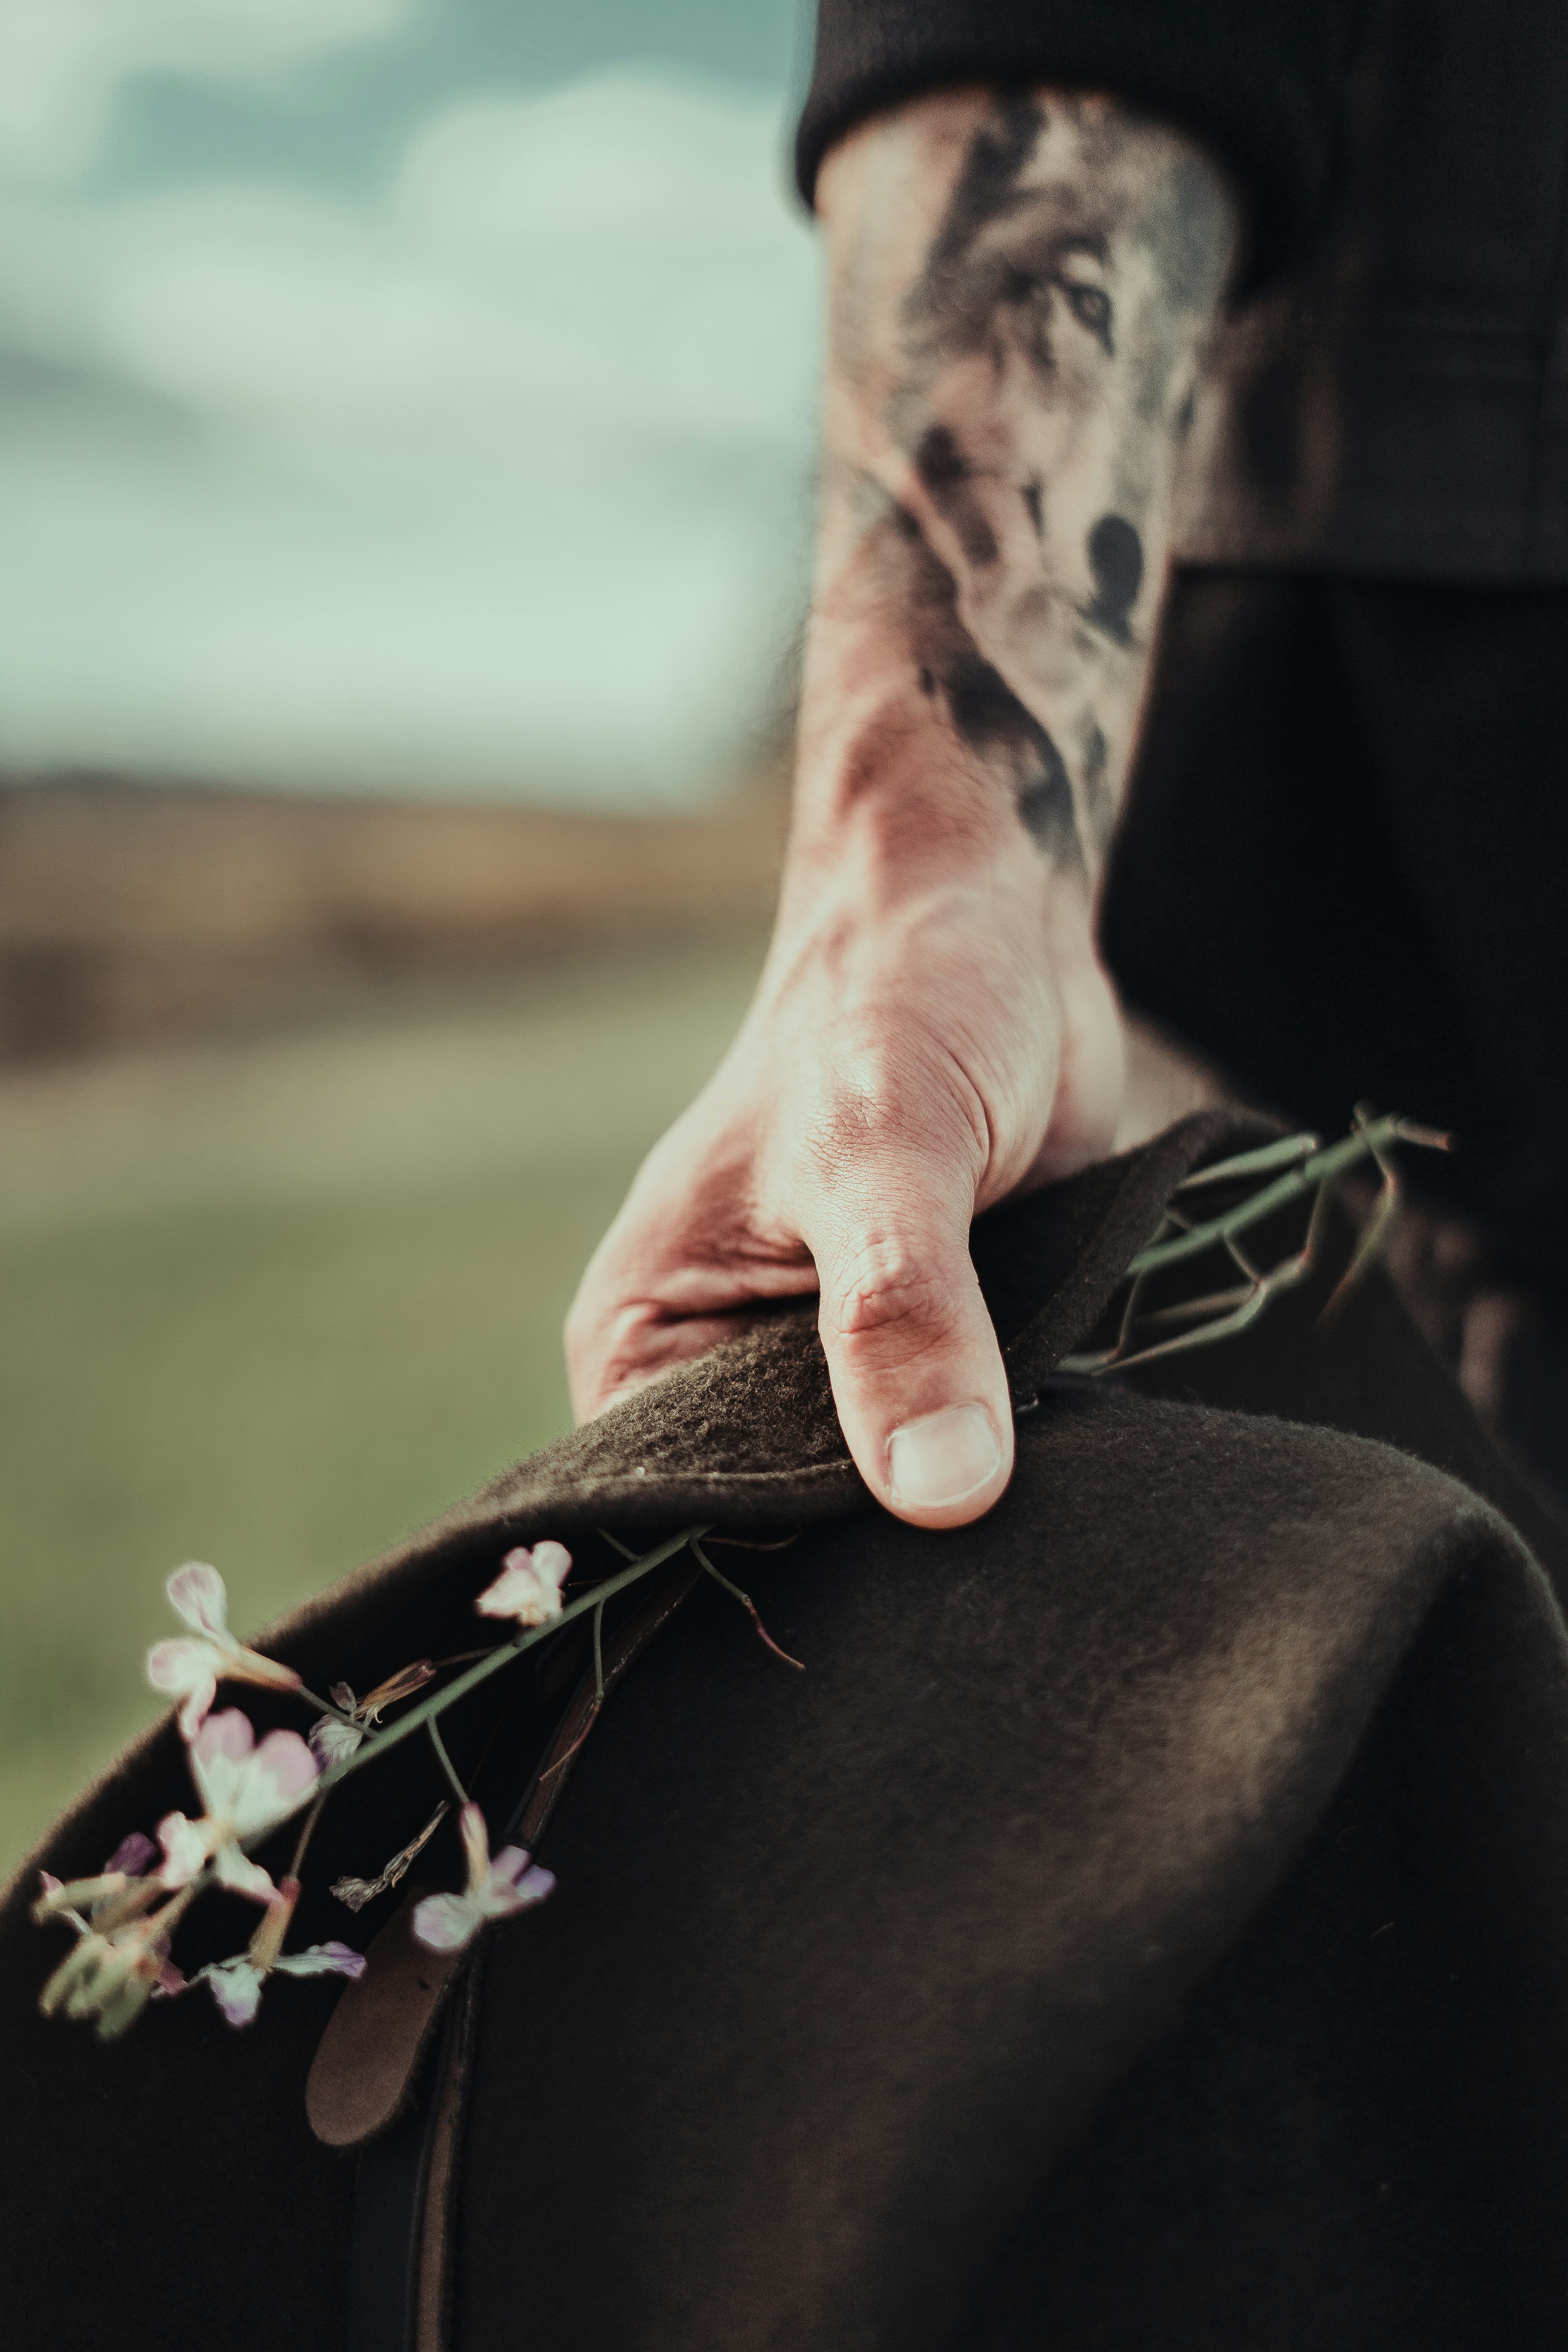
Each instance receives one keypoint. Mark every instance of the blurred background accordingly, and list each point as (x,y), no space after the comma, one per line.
(406,416)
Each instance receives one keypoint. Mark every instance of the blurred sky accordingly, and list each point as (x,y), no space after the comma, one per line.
(409,395)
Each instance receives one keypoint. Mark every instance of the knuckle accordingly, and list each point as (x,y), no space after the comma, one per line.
(885,1299)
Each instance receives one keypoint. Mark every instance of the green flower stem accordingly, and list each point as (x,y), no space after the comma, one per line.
(328,1706)
(1261,1162)
(444,1761)
(1321,1169)
(377,1742)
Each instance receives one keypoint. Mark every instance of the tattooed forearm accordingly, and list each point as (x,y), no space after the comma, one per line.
(1022,289)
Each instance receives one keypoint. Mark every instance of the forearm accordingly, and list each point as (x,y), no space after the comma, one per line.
(1020,291)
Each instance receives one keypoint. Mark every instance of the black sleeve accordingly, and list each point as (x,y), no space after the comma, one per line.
(1259,82)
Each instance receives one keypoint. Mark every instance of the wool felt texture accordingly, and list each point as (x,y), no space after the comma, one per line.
(1145,1921)
(1351,791)
(1391,410)
(1263,87)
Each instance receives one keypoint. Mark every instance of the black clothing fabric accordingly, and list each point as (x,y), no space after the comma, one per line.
(1144,1922)
(1262,85)
(1341,868)
(1399,408)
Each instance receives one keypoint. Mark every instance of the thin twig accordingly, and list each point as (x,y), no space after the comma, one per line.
(357,1892)
(1322,1168)
(1307,1167)
(439,1745)
(1192,1310)
(1373,1233)
(375,1743)
(562,1762)
(1247,1164)
(311,1818)
(328,1706)
(700,1556)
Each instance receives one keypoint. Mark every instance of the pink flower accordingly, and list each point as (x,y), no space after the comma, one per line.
(135,1854)
(121,1957)
(529,1585)
(512,1883)
(236,1984)
(109,1978)
(120,1890)
(188,1668)
(246,1789)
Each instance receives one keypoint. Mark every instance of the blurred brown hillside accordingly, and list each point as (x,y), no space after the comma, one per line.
(132,913)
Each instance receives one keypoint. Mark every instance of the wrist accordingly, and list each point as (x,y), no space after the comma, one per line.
(885,782)
(893,858)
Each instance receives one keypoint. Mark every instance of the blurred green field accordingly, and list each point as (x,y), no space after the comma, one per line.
(275,1303)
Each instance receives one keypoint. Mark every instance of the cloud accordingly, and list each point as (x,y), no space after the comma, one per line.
(610,262)
(634,160)
(494,481)
(61,61)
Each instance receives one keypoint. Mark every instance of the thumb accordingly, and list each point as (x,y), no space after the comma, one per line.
(914,1361)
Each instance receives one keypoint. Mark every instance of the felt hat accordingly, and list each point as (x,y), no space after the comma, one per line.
(1144,1922)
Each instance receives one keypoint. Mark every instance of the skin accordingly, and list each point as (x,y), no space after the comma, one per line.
(1020,292)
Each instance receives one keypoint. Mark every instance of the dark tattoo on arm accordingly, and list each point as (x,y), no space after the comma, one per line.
(1046,355)
(976,702)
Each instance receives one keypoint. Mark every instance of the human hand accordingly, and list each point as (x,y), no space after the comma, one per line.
(920,1047)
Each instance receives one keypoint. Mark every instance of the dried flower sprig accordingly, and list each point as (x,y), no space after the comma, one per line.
(1296,1168)
(355,1893)
(125,1916)
(122,1925)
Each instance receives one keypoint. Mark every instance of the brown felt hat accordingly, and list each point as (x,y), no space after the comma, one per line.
(1143,1924)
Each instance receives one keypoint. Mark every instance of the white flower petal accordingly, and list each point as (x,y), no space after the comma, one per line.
(187,1670)
(504,1896)
(552,1562)
(508,1864)
(197,1593)
(445,1923)
(193,1713)
(332,1960)
(269,1782)
(528,1588)
(181,1664)
(241,1875)
(235,1987)
(476,1839)
(332,1741)
(186,1845)
(219,1754)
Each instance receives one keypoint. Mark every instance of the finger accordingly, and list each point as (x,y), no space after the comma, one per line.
(916,1368)
(614,1351)
(663,1286)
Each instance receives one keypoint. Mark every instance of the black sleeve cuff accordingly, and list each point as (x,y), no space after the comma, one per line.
(1260,82)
